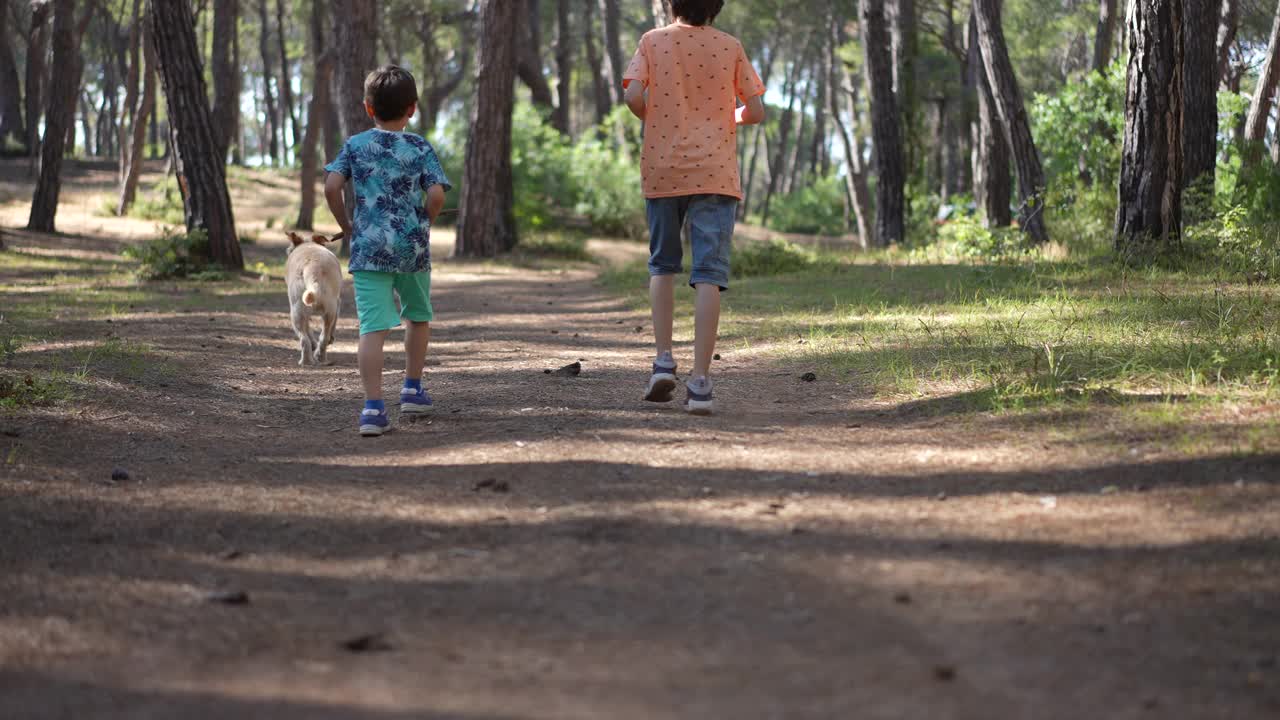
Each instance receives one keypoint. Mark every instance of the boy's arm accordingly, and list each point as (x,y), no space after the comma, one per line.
(435,202)
(753,112)
(635,98)
(334,183)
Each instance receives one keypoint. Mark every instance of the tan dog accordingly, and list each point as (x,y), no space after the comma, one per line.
(315,289)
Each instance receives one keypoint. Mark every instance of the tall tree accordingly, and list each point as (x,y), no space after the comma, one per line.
(288,107)
(317,116)
(886,132)
(615,65)
(37,48)
(11,128)
(268,95)
(201,170)
(1149,220)
(226,78)
(1228,26)
(1105,35)
(357,29)
(842,86)
(487,223)
(1255,126)
(662,15)
(1013,113)
(529,57)
(992,184)
(59,113)
(1200,96)
(135,142)
(904,37)
(449,69)
(599,86)
(562,118)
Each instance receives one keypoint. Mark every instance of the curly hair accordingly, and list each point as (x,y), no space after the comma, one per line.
(697,12)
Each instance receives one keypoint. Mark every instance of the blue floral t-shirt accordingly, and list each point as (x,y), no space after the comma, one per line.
(390,171)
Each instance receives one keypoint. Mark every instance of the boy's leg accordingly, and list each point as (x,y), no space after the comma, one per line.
(666,256)
(416,310)
(417,335)
(375,305)
(370,359)
(711,223)
(662,296)
(706,323)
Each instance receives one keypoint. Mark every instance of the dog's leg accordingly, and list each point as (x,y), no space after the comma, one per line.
(328,325)
(301,327)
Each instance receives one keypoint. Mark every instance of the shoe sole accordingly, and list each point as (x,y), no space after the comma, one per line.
(371,430)
(701,408)
(662,389)
(409,409)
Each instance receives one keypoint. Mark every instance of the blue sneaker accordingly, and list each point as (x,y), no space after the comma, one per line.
(415,402)
(662,384)
(698,399)
(374,422)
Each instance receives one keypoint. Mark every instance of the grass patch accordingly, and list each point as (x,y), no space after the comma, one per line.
(553,246)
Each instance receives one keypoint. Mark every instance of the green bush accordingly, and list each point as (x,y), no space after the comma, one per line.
(161,202)
(775,257)
(1084,120)
(967,237)
(817,209)
(173,255)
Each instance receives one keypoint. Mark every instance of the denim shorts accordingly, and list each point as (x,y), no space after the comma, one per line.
(710,218)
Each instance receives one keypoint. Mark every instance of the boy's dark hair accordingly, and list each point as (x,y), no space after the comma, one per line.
(391,90)
(697,12)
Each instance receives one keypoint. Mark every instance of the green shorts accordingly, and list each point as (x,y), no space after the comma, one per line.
(376,303)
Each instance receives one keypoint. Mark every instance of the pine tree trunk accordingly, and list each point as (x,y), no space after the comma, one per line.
(615,65)
(37,49)
(760,139)
(1013,113)
(288,106)
(794,173)
(562,118)
(268,95)
(855,175)
(137,141)
(778,164)
(905,41)
(317,116)
(440,86)
(600,88)
(11,127)
(529,59)
(1255,126)
(487,218)
(992,183)
(357,28)
(886,127)
(1105,35)
(1200,100)
(131,80)
(662,15)
(226,77)
(1227,29)
(59,116)
(201,170)
(1149,220)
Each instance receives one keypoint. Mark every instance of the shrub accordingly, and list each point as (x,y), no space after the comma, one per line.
(162,202)
(175,254)
(1084,120)
(817,209)
(967,237)
(775,257)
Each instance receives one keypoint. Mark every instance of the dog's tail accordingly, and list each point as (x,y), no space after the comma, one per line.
(312,293)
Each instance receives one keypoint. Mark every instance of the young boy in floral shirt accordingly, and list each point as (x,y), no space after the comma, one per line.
(685,83)
(390,230)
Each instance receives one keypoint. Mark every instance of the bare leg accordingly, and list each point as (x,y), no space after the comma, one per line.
(416,338)
(706,326)
(662,295)
(370,361)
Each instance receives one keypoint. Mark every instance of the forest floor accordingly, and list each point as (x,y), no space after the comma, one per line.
(551,547)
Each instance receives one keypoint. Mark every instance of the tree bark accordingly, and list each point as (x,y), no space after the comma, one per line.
(855,175)
(11,126)
(226,78)
(1200,98)
(886,127)
(1013,113)
(905,41)
(529,59)
(268,95)
(131,80)
(760,138)
(778,164)
(137,141)
(1255,126)
(487,218)
(1105,36)
(59,116)
(662,15)
(37,49)
(1227,29)
(317,117)
(992,184)
(600,88)
(562,118)
(288,106)
(615,65)
(1149,219)
(449,71)
(357,28)
(201,172)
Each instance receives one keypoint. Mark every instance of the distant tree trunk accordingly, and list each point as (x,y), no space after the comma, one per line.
(662,15)
(992,184)
(1013,113)
(226,78)
(610,19)
(760,138)
(487,218)
(136,143)
(1199,135)
(778,164)
(444,81)
(600,88)
(317,117)
(793,176)
(529,58)
(855,175)
(1149,220)
(562,118)
(59,116)
(1227,29)
(201,172)
(819,161)
(37,49)
(131,80)
(11,127)
(356,22)
(905,42)
(886,127)
(286,75)
(1255,126)
(268,95)
(1105,37)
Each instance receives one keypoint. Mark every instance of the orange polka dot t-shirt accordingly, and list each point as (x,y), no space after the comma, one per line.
(695,76)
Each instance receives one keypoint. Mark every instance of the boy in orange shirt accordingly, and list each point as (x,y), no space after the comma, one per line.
(685,82)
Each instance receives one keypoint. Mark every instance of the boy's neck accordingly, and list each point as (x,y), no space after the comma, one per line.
(685,23)
(393,126)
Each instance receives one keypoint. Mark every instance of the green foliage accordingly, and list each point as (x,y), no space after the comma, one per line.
(28,389)
(174,255)
(817,209)
(967,237)
(161,202)
(775,257)
(554,246)
(1084,119)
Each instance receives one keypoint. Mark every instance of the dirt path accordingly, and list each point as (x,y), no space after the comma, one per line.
(549,547)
